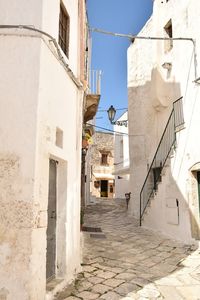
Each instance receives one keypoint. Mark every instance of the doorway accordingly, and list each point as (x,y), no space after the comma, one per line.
(104,188)
(51,226)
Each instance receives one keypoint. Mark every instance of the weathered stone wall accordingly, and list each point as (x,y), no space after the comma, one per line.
(102,143)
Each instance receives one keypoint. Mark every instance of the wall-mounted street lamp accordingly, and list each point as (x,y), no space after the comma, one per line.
(111,115)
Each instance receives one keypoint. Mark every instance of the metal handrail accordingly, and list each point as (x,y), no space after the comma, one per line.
(167,141)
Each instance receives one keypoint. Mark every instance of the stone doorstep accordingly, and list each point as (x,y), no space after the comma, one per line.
(55,286)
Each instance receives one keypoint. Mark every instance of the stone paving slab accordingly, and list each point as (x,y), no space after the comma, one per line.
(125,288)
(132,262)
(95,279)
(88,295)
(127,276)
(72,298)
(113,282)
(100,288)
(111,296)
(170,293)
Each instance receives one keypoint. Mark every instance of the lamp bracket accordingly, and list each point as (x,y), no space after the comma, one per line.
(121,123)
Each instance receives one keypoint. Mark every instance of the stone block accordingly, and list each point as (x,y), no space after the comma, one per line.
(87,295)
(111,296)
(113,282)
(100,288)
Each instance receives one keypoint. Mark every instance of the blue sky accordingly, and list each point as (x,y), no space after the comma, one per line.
(109,53)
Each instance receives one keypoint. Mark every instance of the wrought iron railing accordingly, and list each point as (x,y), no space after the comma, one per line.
(94,82)
(166,144)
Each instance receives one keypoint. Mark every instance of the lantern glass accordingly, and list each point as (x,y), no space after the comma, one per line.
(111,113)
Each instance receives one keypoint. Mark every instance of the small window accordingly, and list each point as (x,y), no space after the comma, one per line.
(104,158)
(59,137)
(169,34)
(64,30)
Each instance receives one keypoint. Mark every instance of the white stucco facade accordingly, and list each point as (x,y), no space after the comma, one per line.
(157,76)
(40,120)
(121,161)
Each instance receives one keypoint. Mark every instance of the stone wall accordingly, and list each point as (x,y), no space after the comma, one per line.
(102,143)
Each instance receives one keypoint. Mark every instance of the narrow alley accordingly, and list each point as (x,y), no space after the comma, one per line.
(124,261)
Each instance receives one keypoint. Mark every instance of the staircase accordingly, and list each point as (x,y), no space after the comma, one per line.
(165,147)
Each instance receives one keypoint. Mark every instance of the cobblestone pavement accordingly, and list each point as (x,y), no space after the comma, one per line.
(125,261)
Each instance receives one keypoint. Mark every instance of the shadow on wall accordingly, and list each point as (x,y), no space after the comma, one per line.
(149,107)
(163,92)
(170,212)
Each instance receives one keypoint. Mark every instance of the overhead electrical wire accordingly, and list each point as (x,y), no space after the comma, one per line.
(132,37)
(102,110)
(110,130)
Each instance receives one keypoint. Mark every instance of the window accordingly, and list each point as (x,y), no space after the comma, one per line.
(169,34)
(59,137)
(64,30)
(104,158)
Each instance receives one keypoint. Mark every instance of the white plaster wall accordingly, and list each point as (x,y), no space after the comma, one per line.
(37,96)
(121,159)
(64,102)
(151,93)
(121,186)
(21,12)
(19,100)
(141,59)
(44,15)
(164,215)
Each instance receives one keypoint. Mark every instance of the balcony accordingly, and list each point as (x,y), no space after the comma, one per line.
(92,95)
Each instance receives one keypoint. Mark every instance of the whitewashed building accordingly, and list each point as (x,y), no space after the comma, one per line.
(164,111)
(121,159)
(42,64)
